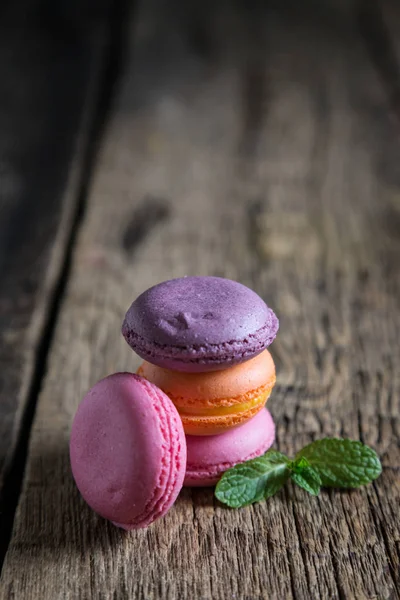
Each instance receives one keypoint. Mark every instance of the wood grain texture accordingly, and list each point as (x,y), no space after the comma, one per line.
(252,145)
(48,80)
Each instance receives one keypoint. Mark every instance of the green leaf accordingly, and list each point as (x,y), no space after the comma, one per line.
(306,476)
(342,463)
(253,480)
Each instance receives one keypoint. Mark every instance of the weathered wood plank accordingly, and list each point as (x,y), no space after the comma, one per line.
(256,150)
(49,78)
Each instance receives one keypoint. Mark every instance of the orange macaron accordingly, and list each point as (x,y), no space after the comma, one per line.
(213,402)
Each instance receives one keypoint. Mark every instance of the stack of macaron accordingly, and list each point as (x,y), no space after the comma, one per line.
(194,409)
(204,342)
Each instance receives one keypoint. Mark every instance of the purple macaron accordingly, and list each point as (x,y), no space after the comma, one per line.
(196,324)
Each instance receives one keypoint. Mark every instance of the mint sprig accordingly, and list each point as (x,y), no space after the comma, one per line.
(330,462)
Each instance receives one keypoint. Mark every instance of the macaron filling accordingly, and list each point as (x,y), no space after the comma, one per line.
(235,408)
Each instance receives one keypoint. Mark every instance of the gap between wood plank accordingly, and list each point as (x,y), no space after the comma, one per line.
(110,47)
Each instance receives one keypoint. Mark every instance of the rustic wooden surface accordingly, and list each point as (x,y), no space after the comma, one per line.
(259,145)
(49,78)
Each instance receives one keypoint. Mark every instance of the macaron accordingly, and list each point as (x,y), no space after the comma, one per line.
(198,324)
(128,451)
(212,402)
(209,457)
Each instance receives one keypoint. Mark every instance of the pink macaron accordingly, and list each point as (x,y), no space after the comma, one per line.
(208,457)
(128,450)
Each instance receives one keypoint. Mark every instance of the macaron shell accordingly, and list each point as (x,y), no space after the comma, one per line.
(127,449)
(211,402)
(196,324)
(209,457)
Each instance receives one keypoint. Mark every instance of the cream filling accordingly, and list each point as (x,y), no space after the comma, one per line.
(224,410)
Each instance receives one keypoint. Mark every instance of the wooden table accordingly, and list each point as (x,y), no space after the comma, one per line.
(254,141)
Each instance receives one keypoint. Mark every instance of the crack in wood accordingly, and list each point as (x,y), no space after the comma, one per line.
(148,215)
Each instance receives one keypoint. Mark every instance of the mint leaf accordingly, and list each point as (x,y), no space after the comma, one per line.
(253,480)
(342,463)
(329,462)
(306,476)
